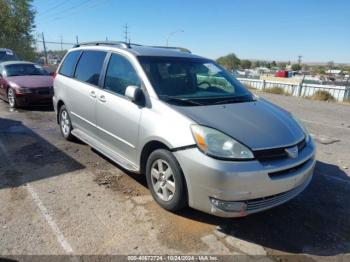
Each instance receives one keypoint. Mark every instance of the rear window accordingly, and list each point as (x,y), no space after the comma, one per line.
(25,70)
(7,55)
(67,67)
(89,66)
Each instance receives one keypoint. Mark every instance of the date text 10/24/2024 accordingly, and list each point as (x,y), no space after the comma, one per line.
(172,258)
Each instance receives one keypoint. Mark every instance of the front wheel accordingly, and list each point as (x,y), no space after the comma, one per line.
(11,97)
(65,124)
(166,181)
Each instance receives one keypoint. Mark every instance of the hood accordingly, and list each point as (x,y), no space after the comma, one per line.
(31,81)
(258,124)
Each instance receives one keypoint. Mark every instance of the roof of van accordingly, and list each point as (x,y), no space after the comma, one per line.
(140,50)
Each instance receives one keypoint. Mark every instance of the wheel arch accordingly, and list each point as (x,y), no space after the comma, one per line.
(153,145)
(147,150)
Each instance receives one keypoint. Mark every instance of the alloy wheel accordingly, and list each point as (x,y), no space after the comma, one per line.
(65,123)
(11,97)
(163,180)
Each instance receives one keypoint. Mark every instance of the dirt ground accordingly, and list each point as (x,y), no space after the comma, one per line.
(59,198)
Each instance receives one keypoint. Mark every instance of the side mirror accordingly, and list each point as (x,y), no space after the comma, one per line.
(135,95)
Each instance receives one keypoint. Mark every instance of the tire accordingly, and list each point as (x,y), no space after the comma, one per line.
(167,186)
(65,124)
(11,97)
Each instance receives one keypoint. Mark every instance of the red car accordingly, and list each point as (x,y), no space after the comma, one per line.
(25,84)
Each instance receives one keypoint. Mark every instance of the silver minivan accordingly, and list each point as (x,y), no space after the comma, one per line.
(200,137)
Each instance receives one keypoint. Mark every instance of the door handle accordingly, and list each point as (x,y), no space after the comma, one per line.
(102,98)
(93,94)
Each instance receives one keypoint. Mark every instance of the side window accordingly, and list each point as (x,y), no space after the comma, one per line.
(67,67)
(120,74)
(89,66)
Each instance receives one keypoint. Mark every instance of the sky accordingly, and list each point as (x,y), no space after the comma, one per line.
(319,30)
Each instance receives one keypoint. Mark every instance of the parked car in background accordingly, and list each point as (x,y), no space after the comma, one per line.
(200,137)
(7,55)
(25,83)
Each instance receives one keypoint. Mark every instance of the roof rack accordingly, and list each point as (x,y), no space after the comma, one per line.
(128,45)
(176,48)
(108,43)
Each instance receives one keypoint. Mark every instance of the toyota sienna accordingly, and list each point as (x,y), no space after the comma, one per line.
(200,137)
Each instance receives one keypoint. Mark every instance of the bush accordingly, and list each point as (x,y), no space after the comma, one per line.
(322,96)
(276,90)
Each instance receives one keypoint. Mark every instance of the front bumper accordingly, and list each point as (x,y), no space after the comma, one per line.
(258,185)
(33,99)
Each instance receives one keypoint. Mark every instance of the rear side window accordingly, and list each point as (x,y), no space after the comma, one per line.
(67,67)
(89,66)
(120,74)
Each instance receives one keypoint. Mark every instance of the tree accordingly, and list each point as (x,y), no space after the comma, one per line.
(245,64)
(282,65)
(296,67)
(230,61)
(256,64)
(16,27)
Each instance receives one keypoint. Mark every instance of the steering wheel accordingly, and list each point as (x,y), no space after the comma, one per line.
(205,82)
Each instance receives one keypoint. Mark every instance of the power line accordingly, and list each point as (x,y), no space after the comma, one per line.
(53,8)
(62,12)
(65,15)
(53,42)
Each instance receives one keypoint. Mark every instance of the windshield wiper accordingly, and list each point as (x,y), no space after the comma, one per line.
(238,99)
(181,100)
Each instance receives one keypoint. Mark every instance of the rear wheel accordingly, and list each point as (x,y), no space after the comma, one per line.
(11,97)
(166,181)
(65,124)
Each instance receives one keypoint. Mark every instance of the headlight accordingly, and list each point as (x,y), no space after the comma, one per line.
(214,143)
(24,90)
(303,127)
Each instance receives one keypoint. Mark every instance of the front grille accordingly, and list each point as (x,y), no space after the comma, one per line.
(266,202)
(43,91)
(276,153)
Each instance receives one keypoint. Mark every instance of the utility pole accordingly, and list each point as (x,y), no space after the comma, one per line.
(61,43)
(45,51)
(126,33)
(77,39)
(299,59)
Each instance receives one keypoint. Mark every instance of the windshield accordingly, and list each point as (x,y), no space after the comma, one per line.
(25,70)
(192,81)
(7,56)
